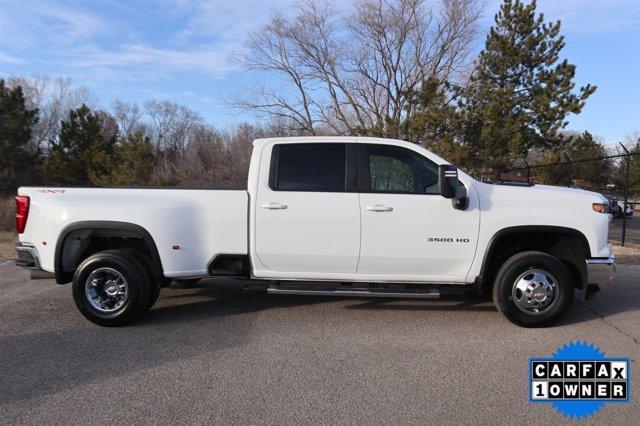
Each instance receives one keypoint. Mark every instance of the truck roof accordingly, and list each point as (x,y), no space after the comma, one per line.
(326,139)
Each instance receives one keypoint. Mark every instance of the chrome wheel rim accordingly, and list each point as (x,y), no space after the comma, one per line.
(535,292)
(107,290)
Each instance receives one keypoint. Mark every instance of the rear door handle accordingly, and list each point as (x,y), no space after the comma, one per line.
(274,206)
(379,208)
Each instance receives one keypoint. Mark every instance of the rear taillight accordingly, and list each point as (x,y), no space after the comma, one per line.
(22,211)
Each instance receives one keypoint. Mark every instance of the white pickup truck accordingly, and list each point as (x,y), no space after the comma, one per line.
(345,216)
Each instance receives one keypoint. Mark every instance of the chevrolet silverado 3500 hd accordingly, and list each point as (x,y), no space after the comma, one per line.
(329,216)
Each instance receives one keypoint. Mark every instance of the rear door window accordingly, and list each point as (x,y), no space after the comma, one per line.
(318,167)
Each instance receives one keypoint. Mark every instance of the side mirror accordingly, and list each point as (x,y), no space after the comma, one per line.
(448,180)
(450,187)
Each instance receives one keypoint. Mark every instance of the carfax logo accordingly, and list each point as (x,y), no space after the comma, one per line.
(578,380)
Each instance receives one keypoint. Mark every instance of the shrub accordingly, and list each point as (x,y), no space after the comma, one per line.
(7,214)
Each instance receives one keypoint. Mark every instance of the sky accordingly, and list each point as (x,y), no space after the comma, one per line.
(184,50)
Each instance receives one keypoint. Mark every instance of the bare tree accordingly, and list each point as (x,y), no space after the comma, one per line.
(354,72)
(128,117)
(172,131)
(199,166)
(53,98)
(172,123)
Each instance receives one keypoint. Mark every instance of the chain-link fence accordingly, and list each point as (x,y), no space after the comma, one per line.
(610,175)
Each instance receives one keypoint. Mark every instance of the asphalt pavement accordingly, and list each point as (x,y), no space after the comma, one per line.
(217,354)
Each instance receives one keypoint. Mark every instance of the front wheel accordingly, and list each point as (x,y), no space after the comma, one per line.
(111,288)
(533,289)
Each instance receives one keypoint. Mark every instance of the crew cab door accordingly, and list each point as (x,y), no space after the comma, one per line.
(408,229)
(307,213)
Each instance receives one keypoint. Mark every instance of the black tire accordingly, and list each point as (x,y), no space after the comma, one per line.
(510,273)
(154,285)
(138,287)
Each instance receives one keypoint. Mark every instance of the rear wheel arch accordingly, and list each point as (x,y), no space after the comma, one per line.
(86,230)
(567,244)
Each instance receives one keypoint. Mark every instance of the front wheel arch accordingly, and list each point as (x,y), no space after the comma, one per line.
(569,245)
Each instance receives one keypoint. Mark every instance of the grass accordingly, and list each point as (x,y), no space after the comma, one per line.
(7,214)
(8,237)
(8,240)
(627,255)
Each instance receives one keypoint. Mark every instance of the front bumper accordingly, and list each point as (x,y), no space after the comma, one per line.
(600,271)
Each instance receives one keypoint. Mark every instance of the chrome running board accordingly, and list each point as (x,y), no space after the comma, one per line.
(431,294)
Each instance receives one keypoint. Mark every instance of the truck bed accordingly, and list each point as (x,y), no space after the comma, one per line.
(189,227)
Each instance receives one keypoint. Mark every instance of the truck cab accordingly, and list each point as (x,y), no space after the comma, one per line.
(358,209)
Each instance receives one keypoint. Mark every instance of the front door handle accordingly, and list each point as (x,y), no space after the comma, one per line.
(379,208)
(274,206)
